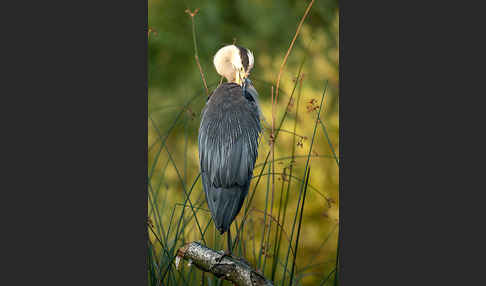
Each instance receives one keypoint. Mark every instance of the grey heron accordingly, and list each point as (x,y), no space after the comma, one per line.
(228,137)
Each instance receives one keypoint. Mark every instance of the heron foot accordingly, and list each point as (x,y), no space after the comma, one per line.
(226,253)
(242,260)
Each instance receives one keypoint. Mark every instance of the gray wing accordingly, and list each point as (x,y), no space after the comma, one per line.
(228,148)
(228,137)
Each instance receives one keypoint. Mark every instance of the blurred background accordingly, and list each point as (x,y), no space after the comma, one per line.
(176,97)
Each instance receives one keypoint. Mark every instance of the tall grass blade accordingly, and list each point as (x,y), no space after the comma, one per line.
(298,230)
(305,171)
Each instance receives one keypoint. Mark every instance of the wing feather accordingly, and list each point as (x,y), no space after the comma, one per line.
(228,149)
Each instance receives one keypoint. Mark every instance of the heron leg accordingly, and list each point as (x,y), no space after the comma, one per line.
(227,252)
(229,243)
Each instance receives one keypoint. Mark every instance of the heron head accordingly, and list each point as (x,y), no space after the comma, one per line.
(234,63)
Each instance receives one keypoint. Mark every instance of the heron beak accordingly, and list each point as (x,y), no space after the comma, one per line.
(240,76)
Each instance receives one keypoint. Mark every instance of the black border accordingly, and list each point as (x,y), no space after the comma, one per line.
(75,102)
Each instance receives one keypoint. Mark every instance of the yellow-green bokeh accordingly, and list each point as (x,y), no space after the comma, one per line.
(266,28)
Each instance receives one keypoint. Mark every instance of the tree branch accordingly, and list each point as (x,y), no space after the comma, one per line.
(232,269)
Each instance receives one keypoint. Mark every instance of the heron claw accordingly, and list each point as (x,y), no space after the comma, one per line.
(225,254)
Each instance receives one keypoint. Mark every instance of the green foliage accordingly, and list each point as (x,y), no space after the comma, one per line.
(274,223)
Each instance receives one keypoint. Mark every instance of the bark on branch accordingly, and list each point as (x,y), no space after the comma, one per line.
(232,269)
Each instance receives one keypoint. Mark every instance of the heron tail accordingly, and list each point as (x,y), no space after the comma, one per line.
(225,204)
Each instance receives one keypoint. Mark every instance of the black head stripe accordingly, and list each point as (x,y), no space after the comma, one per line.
(244,57)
